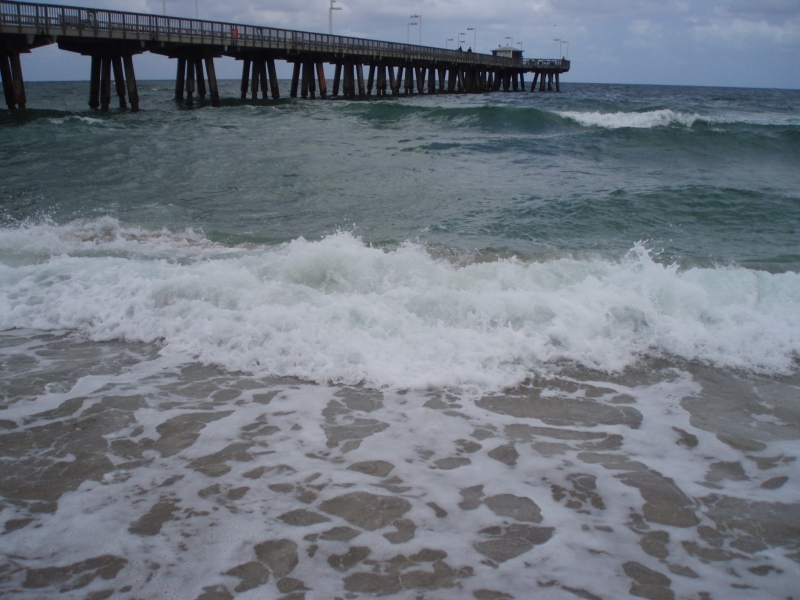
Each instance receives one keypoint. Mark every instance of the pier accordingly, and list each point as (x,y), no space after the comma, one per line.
(113,38)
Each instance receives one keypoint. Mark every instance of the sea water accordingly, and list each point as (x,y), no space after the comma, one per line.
(434,347)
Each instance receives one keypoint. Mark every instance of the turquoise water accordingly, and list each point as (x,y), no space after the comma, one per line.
(704,175)
(426,347)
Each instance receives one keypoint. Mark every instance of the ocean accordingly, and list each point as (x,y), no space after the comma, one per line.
(438,347)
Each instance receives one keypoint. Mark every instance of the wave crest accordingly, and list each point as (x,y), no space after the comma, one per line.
(635,120)
(338,310)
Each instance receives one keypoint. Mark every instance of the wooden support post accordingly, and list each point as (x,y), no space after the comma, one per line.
(409,80)
(558,84)
(451,81)
(362,91)
(522,80)
(94,83)
(105,83)
(442,73)
(337,78)
(262,75)
(550,82)
(8,83)
(542,82)
(515,81)
(535,78)
(394,82)
(420,79)
(380,87)
(304,85)
(323,86)
(130,80)
(254,81)
(212,80)
(245,77)
(312,85)
(180,79)
(273,79)
(17,83)
(370,79)
(295,79)
(431,80)
(201,82)
(351,80)
(119,80)
(506,81)
(461,83)
(349,86)
(189,82)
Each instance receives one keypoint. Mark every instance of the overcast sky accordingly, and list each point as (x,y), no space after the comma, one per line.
(743,43)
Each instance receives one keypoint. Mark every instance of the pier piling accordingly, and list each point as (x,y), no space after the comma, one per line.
(130,80)
(337,78)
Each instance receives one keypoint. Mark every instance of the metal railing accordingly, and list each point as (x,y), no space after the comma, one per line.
(91,23)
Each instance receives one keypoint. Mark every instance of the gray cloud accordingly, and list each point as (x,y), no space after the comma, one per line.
(609,40)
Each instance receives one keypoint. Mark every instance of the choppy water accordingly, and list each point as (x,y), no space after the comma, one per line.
(540,345)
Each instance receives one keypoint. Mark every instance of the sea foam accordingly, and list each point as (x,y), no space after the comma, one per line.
(636,120)
(339,310)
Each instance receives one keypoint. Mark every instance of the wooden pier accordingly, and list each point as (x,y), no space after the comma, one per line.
(113,38)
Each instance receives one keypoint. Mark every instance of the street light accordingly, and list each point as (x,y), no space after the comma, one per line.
(420,26)
(408,31)
(196,9)
(330,16)
(165,8)
(446,42)
(459,38)
(512,40)
(567,43)
(559,45)
(474,38)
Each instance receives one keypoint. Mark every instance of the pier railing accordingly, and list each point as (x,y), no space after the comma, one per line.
(75,22)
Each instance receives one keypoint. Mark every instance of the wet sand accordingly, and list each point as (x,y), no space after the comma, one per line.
(126,475)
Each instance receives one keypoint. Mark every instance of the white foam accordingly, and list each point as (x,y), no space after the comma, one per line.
(637,120)
(339,310)
(87,120)
(670,118)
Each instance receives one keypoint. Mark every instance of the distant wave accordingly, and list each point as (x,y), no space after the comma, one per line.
(667,118)
(636,120)
(82,119)
(338,310)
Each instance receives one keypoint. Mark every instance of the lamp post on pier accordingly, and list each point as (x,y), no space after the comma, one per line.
(408,31)
(420,26)
(330,16)
(474,38)
(460,43)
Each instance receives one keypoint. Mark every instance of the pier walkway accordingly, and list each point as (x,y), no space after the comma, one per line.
(113,38)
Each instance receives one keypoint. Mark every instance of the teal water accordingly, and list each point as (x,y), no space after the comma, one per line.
(705,175)
(432,347)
